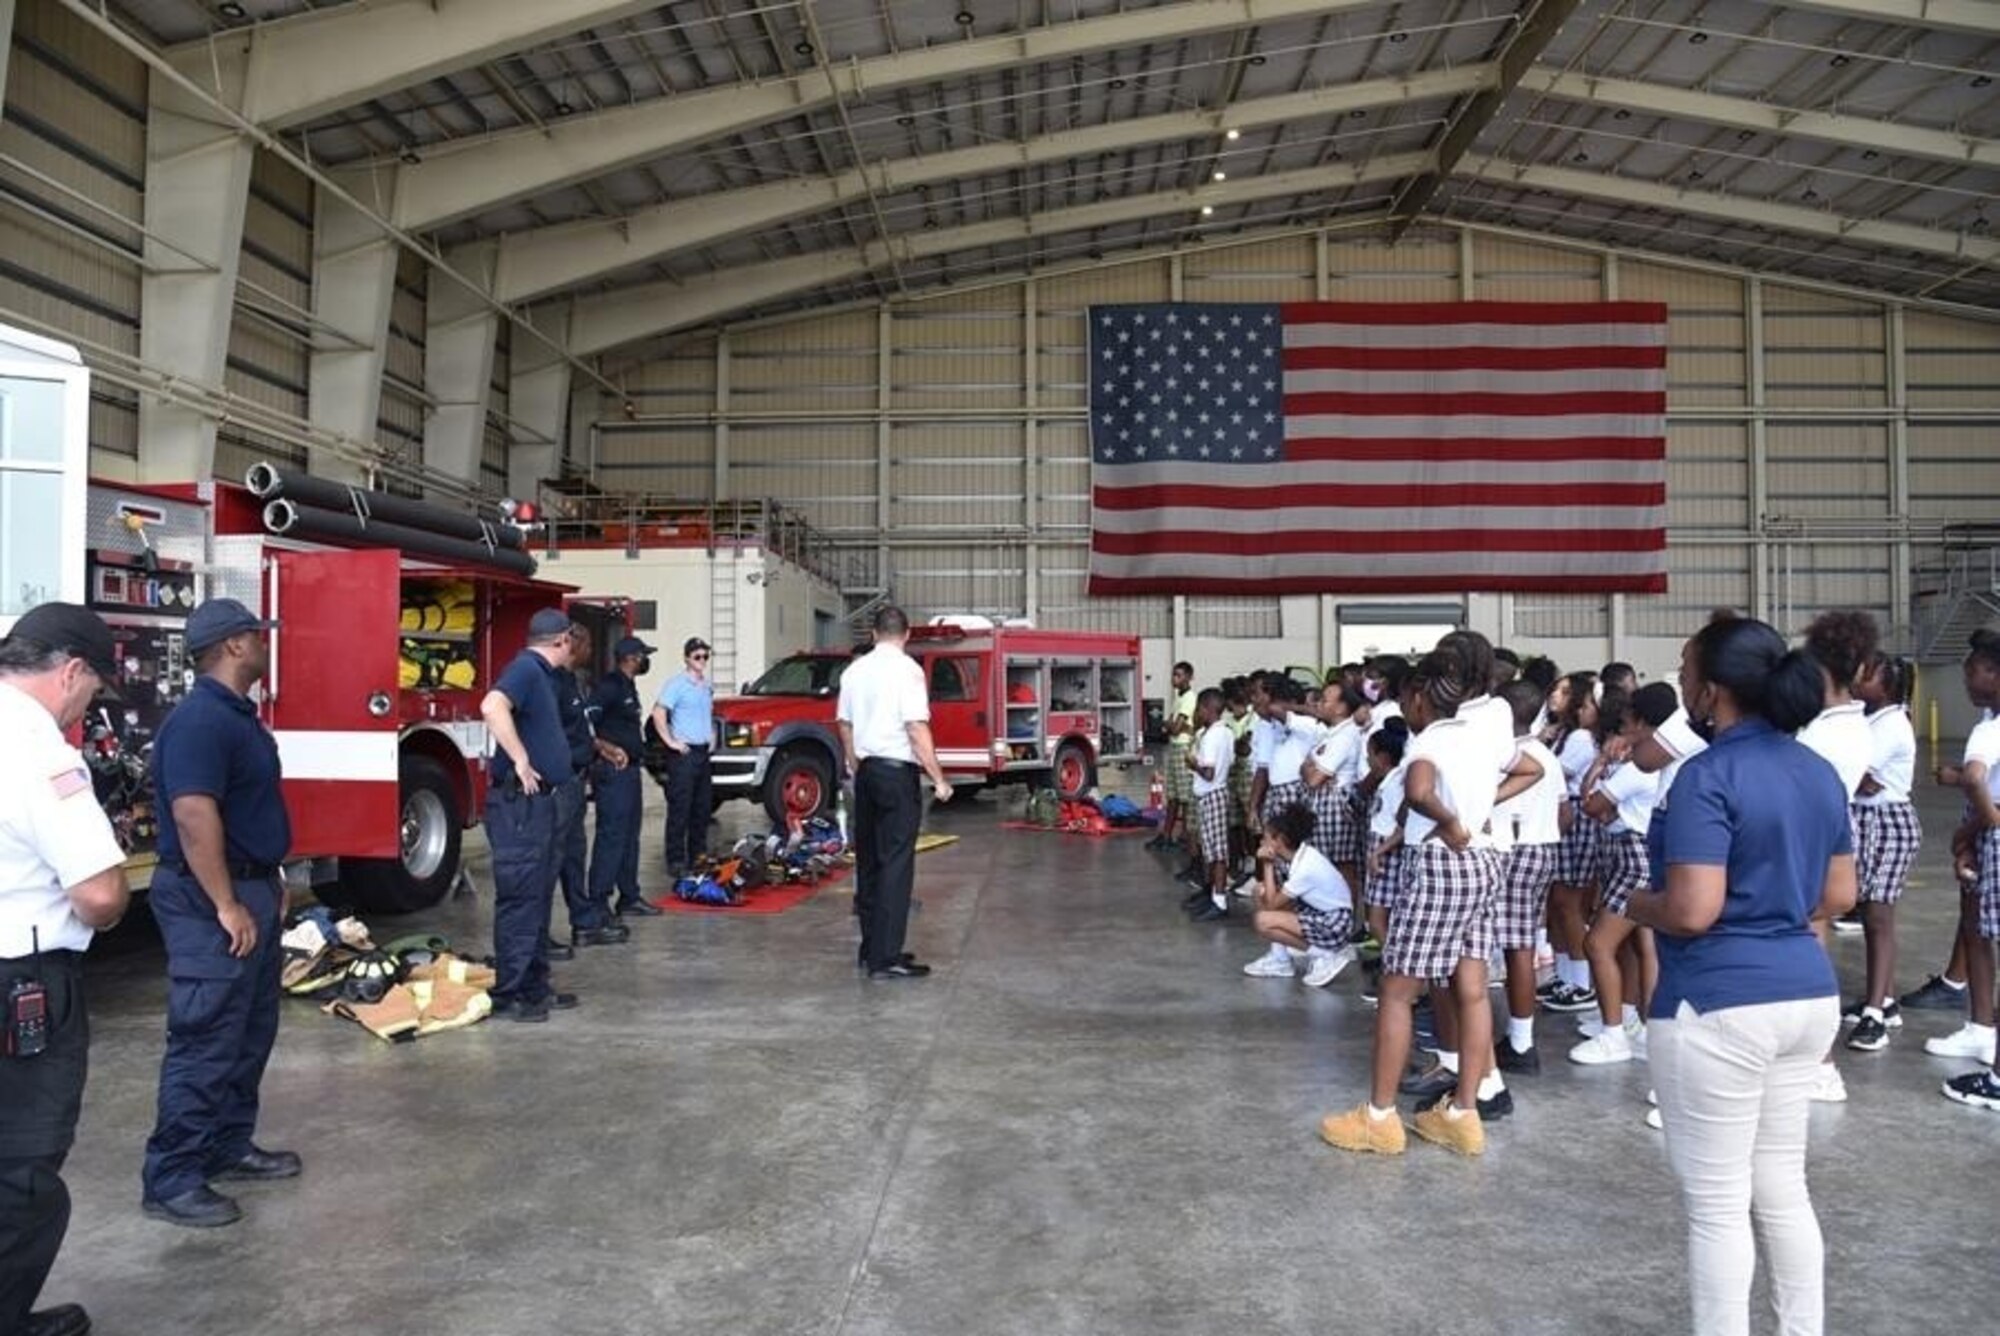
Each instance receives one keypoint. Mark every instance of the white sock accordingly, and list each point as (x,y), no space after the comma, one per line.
(1630,1016)
(1219,900)
(1979,1031)
(1279,951)
(1490,1084)
(1873,1013)
(1562,966)
(1955,987)
(1521,1034)
(1451,1109)
(1380,1115)
(1576,973)
(1448,1061)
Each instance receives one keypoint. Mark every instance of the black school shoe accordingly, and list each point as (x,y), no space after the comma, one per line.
(62,1320)
(1870,1035)
(197,1208)
(1517,1061)
(611,934)
(259,1165)
(1490,1110)
(900,969)
(1429,1084)
(1935,995)
(1210,912)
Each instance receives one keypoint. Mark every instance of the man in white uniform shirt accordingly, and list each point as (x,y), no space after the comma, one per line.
(885,735)
(62,878)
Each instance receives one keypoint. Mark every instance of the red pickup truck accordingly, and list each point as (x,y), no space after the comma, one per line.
(1009,704)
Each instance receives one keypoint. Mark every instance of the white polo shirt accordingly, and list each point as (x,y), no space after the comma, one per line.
(881,694)
(53,835)
(1342,754)
(1529,817)
(1893,759)
(1634,793)
(1313,880)
(1465,781)
(1215,747)
(1839,733)
(1290,741)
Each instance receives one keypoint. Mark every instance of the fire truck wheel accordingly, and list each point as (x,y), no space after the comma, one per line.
(431,829)
(1072,772)
(800,784)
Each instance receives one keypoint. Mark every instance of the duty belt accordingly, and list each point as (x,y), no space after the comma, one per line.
(237,871)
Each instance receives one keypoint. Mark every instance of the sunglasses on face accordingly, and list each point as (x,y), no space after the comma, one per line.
(699,658)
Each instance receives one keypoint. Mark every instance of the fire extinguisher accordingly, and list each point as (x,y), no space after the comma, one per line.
(1156,795)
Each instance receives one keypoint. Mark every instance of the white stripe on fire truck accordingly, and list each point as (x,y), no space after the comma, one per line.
(337,755)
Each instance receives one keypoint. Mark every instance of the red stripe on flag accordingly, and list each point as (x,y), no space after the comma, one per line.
(1384,496)
(1447,404)
(1107,586)
(1473,357)
(1176,542)
(1473,313)
(1457,449)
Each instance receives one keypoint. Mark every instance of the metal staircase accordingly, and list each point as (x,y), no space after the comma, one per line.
(1960,594)
(725,568)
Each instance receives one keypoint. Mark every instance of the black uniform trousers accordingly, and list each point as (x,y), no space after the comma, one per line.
(888,809)
(522,831)
(585,909)
(222,1020)
(40,1098)
(690,800)
(614,859)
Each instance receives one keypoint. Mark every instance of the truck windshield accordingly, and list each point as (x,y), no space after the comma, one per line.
(801,675)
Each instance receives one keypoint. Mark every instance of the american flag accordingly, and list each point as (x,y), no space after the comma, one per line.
(1336,447)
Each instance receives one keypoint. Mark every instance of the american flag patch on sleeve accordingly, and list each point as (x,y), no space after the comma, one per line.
(70,782)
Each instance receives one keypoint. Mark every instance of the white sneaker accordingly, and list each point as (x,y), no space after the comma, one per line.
(1590,1026)
(1603,1049)
(1323,967)
(1654,1121)
(1829,1088)
(1245,889)
(1636,1037)
(1965,1042)
(1268,966)
(1653,1098)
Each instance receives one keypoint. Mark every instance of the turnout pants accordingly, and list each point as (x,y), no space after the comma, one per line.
(586,908)
(888,808)
(690,799)
(39,1101)
(522,832)
(222,1019)
(614,860)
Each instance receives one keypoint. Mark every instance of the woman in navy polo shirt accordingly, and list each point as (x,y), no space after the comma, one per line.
(1751,845)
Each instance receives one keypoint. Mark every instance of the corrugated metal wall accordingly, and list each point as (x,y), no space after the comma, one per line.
(945,438)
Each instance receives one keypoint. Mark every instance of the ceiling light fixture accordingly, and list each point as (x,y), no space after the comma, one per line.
(1258,60)
(232,11)
(1208,210)
(1399,37)
(906,120)
(1622,114)
(803,47)
(1117,83)
(1839,60)
(1232,135)
(1745,136)
(1695,175)
(1869,155)
(563,108)
(1220,175)
(1809,194)
(963,18)
(1981,80)
(1356,114)
(1580,156)
(1697,38)
(409,156)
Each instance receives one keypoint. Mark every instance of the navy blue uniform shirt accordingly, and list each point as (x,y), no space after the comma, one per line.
(1773,814)
(576,720)
(615,706)
(531,686)
(212,743)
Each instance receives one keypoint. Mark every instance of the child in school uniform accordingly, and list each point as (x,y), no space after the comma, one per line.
(1309,908)
(1890,836)
(1442,927)
(1574,889)
(1526,816)
(1386,748)
(1208,760)
(1238,715)
(1976,860)
(1332,776)
(1619,796)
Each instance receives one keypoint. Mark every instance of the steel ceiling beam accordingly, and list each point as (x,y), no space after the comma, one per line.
(535,263)
(1732,208)
(626,316)
(321,61)
(1973,16)
(467,176)
(1746,114)
(1478,111)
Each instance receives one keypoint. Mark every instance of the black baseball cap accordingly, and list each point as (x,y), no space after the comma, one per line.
(693,643)
(73,630)
(217,620)
(631,647)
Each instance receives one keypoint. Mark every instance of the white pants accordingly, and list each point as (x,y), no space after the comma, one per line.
(1735,1087)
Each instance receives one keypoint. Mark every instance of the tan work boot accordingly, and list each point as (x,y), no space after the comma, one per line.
(1356,1130)
(1461,1133)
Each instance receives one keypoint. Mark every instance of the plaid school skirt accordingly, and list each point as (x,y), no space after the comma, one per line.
(1325,929)
(1280,796)
(1988,885)
(1385,888)
(1621,870)
(1445,914)
(1239,792)
(1211,811)
(1179,779)
(1335,831)
(1576,856)
(1527,871)
(1889,840)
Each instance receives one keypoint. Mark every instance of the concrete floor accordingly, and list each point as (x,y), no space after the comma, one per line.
(1088,1122)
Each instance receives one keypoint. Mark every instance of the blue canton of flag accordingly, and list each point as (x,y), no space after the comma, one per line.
(1196,384)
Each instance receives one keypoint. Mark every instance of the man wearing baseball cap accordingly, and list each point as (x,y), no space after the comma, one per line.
(530,766)
(614,861)
(218,896)
(685,721)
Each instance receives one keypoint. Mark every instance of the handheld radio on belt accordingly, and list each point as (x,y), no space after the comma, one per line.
(27,1032)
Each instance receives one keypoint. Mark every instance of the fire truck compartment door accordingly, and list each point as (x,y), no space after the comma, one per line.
(334,699)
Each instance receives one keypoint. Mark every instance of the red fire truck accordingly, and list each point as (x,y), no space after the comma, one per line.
(1009,704)
(389,635)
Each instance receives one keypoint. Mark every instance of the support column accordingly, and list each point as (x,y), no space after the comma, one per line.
(1902,584)
(7,32)
(1327,631)
(1031,449)
(461,336)
(538,401)
(354,285)
(1759,460)
(197,187)
(885,394)
(718,487)
(1614,611)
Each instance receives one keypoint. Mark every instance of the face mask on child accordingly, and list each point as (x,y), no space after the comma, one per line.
(1372,689)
